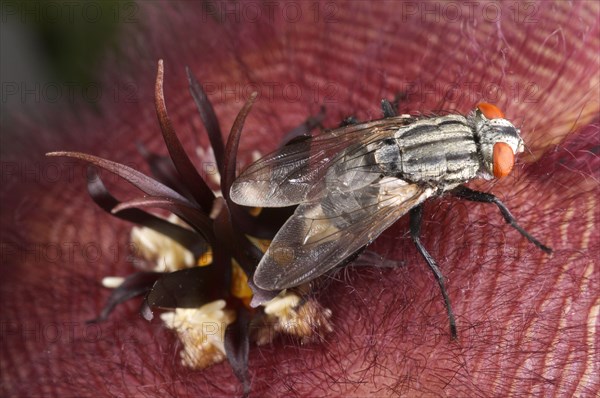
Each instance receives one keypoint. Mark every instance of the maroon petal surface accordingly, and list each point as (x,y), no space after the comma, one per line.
(527,322)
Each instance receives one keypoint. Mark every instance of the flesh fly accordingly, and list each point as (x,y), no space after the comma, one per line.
(352,183)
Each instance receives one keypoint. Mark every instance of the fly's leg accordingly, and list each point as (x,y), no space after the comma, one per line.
(352,257)
(387,109)
(303,130)
(349,121)
(390,109)
(476,196)
(415,231)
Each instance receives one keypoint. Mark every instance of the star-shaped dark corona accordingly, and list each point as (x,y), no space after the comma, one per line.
(224,240)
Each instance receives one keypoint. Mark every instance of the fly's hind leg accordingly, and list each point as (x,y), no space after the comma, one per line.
(390,108)
(476,196)
(387,109)
(303,130)
(349,121)
(415,231)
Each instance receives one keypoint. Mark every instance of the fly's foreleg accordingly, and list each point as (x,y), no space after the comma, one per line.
(476,196)
(415,231)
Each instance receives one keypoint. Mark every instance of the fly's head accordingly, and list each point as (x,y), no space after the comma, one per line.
(499,140)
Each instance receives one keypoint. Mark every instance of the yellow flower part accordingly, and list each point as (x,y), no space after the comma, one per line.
(201,331)
(205,259)
(239,284)
(164,252)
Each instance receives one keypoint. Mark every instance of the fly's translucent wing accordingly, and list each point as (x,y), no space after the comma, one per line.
(322,233)
(289,175)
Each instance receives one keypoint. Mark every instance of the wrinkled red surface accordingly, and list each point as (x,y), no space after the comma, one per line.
(527,322)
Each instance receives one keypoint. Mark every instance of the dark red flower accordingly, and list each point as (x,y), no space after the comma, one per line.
(527,322)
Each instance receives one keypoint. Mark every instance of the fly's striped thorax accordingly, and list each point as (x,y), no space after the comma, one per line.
(438,150)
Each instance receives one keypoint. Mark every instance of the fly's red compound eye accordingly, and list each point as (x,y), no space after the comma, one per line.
(490,111)
(503,158)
